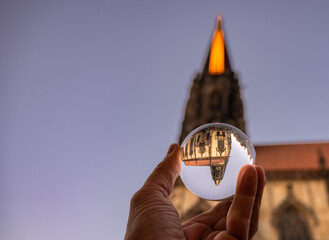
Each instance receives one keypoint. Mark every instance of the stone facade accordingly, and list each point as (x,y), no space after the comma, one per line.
(308,202)
(296,197)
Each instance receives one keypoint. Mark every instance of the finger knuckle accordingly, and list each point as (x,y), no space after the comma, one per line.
(136,199)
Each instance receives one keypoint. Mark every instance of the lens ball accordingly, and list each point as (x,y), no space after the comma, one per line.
(212,156)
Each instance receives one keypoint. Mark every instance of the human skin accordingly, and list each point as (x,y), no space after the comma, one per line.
(153,216)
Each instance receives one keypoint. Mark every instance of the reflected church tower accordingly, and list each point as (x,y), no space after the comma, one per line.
(214,97)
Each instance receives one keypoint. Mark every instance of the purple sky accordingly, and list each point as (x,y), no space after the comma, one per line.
(93,92)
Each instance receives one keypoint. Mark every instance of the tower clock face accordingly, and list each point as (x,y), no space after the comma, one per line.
(212,156)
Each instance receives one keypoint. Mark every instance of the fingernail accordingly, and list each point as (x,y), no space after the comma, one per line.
(171,148)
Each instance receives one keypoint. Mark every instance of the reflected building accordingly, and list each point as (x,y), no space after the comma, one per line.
(296,197)
(210,147)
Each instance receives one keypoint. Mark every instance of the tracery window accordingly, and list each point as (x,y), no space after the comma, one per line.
(292,226)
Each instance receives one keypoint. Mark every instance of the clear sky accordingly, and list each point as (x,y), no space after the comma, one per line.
(93,92)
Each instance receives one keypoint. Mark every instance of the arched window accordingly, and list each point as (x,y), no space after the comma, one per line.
(216,101)
(291,225)
(291,218)
(191,147)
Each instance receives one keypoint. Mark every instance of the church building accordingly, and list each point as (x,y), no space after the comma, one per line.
(295,203)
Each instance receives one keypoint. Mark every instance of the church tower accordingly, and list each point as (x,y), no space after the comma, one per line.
(214,97)
(215,93)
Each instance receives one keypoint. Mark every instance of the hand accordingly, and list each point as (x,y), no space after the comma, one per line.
(153,216)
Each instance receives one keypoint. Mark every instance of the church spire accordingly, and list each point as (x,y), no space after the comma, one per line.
(217,61)
(216,64)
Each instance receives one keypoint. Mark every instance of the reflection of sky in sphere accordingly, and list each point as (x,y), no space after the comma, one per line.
(199,181)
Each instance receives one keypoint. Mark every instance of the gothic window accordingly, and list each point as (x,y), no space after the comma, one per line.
(191,147)
(291,218)
(215,106)
(216,99)
(208,137)
(202,148)
(221,146)
(292,226)
(186,156)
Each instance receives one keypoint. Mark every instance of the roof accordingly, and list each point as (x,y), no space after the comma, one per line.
(301,156)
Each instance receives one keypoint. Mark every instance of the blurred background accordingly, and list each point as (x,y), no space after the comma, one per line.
(92,93)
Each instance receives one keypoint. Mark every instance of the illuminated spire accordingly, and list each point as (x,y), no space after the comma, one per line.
(217,51)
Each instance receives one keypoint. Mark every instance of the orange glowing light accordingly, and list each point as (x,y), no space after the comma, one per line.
(217,51)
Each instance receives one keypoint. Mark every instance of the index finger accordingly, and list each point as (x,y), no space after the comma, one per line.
(255,212)
(239,215)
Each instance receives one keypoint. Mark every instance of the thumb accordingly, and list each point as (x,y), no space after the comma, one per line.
(163,177)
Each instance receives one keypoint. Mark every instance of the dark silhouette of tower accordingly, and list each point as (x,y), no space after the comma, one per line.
(215,95)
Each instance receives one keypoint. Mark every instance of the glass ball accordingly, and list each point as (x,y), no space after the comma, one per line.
(212,156)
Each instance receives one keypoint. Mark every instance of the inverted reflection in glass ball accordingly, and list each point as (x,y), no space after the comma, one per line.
(212,156)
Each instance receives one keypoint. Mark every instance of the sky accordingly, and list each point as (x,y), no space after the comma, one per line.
(92,93)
